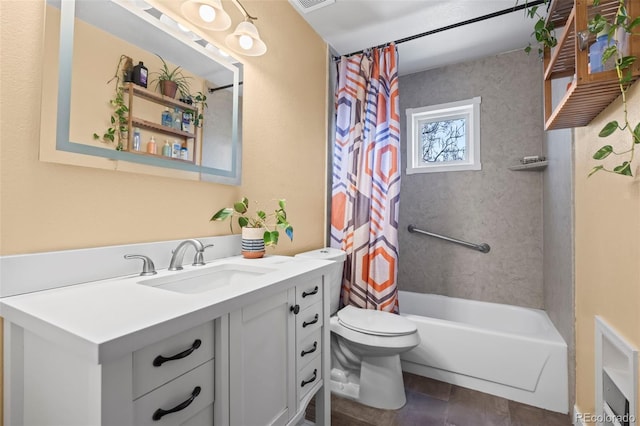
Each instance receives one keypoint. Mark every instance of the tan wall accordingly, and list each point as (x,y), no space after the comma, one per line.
(45,206)
(607,249)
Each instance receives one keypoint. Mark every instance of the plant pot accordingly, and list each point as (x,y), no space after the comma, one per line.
(168,88)
(252,242)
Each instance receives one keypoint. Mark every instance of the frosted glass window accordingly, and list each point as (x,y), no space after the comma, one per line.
(444,137)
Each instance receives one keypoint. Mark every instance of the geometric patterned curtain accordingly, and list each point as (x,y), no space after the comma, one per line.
(366,178)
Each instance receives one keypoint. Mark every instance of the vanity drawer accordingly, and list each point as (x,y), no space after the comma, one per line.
(308,321)
(193,346)
(196,385)
(309,376)
(309,293)
(308,349)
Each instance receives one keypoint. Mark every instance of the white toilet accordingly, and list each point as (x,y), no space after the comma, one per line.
(365,346)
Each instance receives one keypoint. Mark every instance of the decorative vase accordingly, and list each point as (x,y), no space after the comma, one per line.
(252,242)
(168,88)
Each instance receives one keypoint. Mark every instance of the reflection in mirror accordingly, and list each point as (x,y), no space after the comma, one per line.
(113,118)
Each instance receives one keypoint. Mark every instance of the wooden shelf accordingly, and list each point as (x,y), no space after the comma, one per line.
(160,128)
(157,97)
(588,94)
(184,138)
(161,156)
(530,167)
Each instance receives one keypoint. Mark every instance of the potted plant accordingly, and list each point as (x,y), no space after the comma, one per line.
(171,81)
(258,230)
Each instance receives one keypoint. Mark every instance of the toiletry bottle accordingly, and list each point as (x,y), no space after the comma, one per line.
(176,149)
(151,146)
(166,118)
(186,122)
(140,74)
(136,139)
(177,119)
(184,153)
(166,149)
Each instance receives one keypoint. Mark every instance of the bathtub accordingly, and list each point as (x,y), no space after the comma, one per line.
(509,351)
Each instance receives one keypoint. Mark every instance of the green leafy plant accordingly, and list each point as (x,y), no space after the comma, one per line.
(119,119)
(271,222)
(543,31)
(624,74)
(175,75)
(199,100)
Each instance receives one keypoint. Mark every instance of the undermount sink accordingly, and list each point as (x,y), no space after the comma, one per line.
(207,279)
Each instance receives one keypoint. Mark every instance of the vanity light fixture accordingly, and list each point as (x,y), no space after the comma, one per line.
(207,14)
(210,15)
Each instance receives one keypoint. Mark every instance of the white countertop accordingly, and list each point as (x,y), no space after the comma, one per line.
(106,319)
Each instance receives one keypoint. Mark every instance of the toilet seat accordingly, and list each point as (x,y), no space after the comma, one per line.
(377,323)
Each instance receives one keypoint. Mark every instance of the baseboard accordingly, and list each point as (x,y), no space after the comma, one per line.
(577,417)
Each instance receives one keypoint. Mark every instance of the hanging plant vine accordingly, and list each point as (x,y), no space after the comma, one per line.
(544,33)
(119,117)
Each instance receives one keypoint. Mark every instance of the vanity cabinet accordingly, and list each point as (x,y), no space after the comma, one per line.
(275,348)
(117,353)
(589,92)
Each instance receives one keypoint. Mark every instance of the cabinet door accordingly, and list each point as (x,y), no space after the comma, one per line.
(262,362)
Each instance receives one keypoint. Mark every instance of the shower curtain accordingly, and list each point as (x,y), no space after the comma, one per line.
(366,177)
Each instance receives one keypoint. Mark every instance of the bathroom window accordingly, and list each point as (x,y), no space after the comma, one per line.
(444,138)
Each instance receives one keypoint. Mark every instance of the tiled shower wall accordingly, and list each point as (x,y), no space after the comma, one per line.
(494,205)
(559,295)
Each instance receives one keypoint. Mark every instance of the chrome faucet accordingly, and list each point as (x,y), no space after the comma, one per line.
(178,254)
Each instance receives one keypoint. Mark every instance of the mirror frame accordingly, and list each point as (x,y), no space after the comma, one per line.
(63,142)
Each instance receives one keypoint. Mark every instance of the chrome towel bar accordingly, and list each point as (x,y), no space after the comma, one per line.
(484,247)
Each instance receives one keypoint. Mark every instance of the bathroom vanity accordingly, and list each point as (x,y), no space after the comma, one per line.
(234,342)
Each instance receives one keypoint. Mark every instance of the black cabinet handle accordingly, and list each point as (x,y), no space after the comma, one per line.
(161,360)
(310,351)
(159,413)
(311,380)
(311,293)
(295,309)
(315,320)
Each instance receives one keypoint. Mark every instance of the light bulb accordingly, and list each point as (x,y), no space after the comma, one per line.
(245,42)
(207,13)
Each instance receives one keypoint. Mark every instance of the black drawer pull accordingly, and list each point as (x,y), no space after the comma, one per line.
(311,380)
(311,293)
(315,320)
(161,413)
(295,309)
(310,351)
(161,360)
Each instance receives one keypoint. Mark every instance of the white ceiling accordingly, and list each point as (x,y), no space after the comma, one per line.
(352,25)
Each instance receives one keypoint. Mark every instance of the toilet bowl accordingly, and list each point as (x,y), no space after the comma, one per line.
(365,346)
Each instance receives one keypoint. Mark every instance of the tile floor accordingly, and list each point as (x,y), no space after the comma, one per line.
(434,403)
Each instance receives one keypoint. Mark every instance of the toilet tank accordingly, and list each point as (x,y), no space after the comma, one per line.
(335,277)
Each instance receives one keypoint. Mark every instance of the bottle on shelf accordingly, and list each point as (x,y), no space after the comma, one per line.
(177,119)
(167,120)
(166,149)
(135,146)
(176,149)
(184,153)
(187,124)
(140,74)
(151,146)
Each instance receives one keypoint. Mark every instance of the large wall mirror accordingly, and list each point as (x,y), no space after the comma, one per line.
(88,43)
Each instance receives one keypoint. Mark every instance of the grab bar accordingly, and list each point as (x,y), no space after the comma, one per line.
(484,247)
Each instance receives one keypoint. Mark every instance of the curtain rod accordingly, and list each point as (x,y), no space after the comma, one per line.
(452,26)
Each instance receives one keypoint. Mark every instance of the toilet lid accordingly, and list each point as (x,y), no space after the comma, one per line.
(370,321)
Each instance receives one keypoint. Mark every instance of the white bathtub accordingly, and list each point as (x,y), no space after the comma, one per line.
(504,350)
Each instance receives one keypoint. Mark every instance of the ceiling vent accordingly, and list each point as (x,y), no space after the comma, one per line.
(307,6)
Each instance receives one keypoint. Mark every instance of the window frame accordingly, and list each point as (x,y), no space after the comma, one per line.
(468,109)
